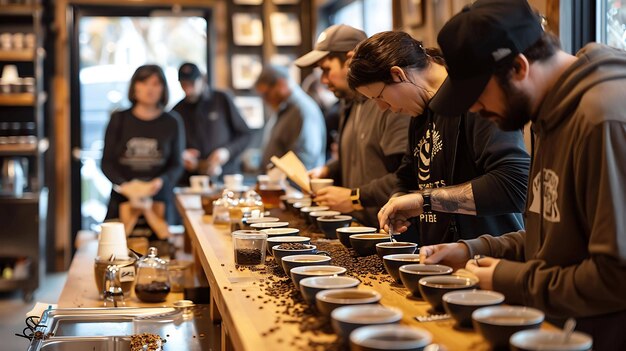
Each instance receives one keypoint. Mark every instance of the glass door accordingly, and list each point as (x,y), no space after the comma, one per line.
(109,47)
(612,23)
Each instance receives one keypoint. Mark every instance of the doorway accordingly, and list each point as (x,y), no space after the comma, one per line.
(108,44)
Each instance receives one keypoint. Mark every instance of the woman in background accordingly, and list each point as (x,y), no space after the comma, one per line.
(142,155)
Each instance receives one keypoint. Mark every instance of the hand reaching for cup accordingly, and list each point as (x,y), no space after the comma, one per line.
(190,159)
(216,160)
(483,268)
(398,210)
(335,197)
(454,255)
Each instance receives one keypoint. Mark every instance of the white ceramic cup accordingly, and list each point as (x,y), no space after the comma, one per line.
(199,182)
(6,41)
(317,184)
(233,181)
(18,41)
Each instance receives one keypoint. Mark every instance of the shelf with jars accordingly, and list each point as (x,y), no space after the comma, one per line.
(23,197)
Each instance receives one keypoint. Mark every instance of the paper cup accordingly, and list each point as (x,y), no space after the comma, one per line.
(199,182)
(112,232)
(317,184)
(233,181)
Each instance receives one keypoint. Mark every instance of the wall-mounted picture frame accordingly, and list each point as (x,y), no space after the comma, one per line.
(285,28)
(286,60)
(247,29)
(245,70)
(251,109)
(412,13)
(247,2)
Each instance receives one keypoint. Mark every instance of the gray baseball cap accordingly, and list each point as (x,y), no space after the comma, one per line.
(336,38)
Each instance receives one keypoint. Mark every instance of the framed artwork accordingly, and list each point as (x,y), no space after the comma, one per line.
(248,2)
(247,29)
(245,70)
(251,109)
(287,61)
(285,29)
(412,13)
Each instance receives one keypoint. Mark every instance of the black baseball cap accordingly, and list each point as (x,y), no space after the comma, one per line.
(188,71)
(336,38)
(474,41)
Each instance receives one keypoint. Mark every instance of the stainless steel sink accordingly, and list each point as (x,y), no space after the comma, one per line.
(109,329)
(87,344)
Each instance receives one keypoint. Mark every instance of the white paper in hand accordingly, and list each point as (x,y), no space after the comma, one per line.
(294,169)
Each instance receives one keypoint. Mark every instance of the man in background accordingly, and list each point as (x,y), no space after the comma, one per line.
(371,142)
(296,123)
(216,133)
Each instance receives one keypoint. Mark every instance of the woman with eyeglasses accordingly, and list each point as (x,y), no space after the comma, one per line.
(461,176)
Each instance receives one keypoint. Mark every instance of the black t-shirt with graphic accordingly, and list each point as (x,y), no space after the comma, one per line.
(445,151)
(144,150)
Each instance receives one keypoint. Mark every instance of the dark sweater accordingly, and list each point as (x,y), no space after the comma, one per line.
(144,150)
(445,151)
(214,122)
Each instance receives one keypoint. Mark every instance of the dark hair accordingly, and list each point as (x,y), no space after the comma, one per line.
(542,50)
(271,74)
(141,74)
(341,56)
(374,57)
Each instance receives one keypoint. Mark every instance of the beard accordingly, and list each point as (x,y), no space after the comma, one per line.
(517,112)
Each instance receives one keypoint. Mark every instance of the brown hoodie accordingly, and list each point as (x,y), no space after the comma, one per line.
(571,262)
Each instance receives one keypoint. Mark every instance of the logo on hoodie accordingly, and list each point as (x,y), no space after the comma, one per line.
(549,193)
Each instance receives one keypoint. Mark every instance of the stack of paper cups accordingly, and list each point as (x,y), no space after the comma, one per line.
(112,242)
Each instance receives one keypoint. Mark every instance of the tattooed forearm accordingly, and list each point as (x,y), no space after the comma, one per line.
(454,199)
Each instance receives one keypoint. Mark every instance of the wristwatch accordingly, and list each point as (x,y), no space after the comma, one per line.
(426,206)
(355,195)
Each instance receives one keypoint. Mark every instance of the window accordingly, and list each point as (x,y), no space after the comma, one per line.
(372,16)
(612,20)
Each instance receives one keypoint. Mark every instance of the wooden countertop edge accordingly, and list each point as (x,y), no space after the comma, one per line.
(227,306)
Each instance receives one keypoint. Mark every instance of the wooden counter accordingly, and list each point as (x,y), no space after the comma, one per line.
(80,288)
(252,320)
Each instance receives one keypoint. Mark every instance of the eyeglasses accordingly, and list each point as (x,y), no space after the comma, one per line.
(380,95)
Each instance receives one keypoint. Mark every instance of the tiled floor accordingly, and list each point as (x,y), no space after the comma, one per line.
(13,310)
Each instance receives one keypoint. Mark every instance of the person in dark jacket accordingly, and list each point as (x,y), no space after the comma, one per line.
(216,134)
(142,146)
(464,177)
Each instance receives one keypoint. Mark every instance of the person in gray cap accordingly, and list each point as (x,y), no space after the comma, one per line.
(216,134)
(371,141)
(571,260)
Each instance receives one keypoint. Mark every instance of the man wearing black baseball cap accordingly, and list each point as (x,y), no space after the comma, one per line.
(365,171)
(216,133)
(571,260)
